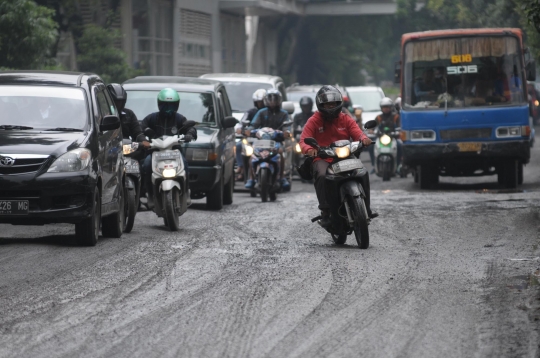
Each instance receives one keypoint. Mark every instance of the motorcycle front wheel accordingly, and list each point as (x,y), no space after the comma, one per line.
(339,239)
(264,182)
(171,200)
(360,228)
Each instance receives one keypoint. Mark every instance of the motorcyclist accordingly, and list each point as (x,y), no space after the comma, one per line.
(390,119)
(165,122)
(258,103)
(328,125)
(130,124)
(273,116)
(397,105)
(300,119)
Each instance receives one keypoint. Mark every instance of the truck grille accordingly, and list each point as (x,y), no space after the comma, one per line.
(23,165)
(472,133)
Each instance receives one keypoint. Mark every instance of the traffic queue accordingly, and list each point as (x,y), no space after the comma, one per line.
(76,150)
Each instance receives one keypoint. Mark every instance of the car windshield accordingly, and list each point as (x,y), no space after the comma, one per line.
(295,96)
(369,100)
(195,106)
(240,93)
(453,73)
(43,107)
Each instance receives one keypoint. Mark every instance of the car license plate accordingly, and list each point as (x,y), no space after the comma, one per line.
(347,165)
(469,147)
(14,207)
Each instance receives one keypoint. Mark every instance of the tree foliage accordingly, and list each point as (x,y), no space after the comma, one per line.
(99,55)
(27,32)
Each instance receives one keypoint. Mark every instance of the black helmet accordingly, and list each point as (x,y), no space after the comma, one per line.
(273,99)
(118,94)
(329,94)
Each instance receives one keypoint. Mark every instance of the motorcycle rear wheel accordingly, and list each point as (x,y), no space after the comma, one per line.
(339,239)
(170,199)
(360,228)
(264,183)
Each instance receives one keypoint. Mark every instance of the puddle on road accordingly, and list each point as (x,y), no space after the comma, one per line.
(500,191)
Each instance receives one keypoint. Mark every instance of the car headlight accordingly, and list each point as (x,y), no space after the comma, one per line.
(169,173)
(72,161)
(249,151)
(385,139)
(342,152)
(297,148)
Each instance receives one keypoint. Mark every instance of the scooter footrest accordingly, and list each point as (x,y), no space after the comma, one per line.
(316,219)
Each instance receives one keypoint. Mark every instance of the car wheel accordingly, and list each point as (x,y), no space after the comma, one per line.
(113,225)
(87,231)
(228,191)
(214,198)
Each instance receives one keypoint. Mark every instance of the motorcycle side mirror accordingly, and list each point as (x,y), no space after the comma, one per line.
(311,142)
(149,132)
(286,124)
(186,126)
(370,124)
(288,106)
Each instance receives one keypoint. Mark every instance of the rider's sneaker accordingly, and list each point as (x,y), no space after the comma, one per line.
(372,214)
(325,219)
(285,185)
(250,183)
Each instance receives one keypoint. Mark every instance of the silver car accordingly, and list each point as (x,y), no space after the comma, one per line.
(368,97)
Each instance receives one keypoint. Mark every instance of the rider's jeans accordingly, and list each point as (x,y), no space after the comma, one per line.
(239,159)
(147,173)
(319,175)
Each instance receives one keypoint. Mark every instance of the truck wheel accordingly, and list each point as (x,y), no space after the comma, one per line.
(520,173)
(87,231)
(214,198)
(510,174)
(113,225)
(228,191)
(426,176)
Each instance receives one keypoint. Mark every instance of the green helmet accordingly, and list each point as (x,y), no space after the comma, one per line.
(168,101)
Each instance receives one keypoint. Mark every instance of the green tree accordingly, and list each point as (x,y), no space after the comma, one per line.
(99,55)
(27,33)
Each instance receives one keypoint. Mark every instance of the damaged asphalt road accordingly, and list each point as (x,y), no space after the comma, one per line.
(451,272)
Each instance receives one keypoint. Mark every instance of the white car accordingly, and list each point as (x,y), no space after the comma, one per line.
(368,97)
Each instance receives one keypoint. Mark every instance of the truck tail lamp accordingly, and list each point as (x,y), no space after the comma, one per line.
(526,131)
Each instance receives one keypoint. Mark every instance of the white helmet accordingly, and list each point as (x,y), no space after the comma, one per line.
(398,101)
(258,95)
(386,102)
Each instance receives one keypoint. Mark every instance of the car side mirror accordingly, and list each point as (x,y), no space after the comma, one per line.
(311,142)
(229,122)
(109,123)
(370,124)
(288,106)
(149,132)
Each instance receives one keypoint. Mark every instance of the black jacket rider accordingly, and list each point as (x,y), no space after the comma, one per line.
(131,126)
(390,120)
(300,120)
(162,124)
(268,118)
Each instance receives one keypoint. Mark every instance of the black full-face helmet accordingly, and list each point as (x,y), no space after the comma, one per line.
(306,104)
(273,99)
(329,94)
(118,94)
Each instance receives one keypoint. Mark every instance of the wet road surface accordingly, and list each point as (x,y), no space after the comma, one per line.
(451,272)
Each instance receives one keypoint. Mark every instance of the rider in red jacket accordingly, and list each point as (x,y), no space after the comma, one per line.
(328,125)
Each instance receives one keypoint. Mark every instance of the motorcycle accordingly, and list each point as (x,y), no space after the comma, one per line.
(298,156)
(169,177)
(132,153)
(266,163)
(346,195)
(247,148)
(386,152)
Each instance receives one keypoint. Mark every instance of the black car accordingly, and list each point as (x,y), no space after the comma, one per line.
(60,153)
(211,156)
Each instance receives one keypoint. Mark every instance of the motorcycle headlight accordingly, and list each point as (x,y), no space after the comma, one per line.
(72,161)
(297,148)
(169,173)
(343,152)
(249,151)
(245,141)
(385,139)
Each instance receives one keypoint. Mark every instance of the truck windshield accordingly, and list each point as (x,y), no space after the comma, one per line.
(43,107)
(462,72)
